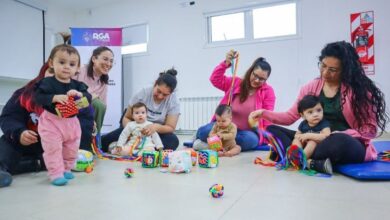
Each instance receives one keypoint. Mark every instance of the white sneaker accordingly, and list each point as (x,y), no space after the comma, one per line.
(200,145)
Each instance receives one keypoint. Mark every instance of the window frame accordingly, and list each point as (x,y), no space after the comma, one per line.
(248,25)
(147,40)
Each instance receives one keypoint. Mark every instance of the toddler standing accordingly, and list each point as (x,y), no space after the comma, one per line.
(60,136)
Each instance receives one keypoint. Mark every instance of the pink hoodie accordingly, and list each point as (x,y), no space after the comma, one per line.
(364,134)
(265,96)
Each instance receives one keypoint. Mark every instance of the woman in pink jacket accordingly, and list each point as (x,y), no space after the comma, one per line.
(353,105)
(249,94)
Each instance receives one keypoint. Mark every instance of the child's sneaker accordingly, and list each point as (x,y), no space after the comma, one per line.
(60,181)
(322,166)
(5,178)
(68,175)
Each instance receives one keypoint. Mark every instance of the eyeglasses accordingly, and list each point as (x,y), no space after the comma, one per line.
(331,70)
(261,79)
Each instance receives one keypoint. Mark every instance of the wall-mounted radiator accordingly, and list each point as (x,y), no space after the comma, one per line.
(195,112)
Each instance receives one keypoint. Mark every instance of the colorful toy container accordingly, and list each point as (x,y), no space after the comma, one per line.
(150,159)
(180,162)
(164,158)
(208,158)
(214,143)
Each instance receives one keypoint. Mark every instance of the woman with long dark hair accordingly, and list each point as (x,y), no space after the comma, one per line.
(353,104)
(250,93)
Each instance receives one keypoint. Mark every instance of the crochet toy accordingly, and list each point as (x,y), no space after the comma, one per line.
(208,158)
(216,190)
(129,172)
(214,143)
(180,162)
(84,161)
(150,159)
(164,158)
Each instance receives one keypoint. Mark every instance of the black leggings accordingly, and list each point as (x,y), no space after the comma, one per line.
(339,148)
(11,157)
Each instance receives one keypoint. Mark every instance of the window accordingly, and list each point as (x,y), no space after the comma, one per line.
(253,23)
(274,21)
(135,39)
(227,27)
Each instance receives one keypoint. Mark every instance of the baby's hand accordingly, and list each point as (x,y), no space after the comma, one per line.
(221,153)
(73,93)
(63,99)
(117,150)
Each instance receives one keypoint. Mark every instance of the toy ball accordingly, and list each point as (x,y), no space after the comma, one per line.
(129,172)
(216,190)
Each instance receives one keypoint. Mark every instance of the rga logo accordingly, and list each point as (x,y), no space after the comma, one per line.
(86,37)
(101,36)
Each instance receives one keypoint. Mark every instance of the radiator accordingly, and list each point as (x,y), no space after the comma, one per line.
(195,112)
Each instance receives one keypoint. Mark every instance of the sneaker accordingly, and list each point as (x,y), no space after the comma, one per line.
(5,178)
(200,145)
(322,166)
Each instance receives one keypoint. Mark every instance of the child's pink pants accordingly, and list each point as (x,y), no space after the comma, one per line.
(60,138)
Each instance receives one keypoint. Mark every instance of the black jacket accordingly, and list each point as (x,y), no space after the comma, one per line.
(14,119)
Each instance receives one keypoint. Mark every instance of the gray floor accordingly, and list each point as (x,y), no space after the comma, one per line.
(251,192)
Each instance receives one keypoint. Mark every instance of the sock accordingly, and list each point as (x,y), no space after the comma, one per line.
(60,181)
(68,175)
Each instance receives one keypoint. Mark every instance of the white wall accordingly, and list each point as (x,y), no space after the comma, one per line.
(177,38)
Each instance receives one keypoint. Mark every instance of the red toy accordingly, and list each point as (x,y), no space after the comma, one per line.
(67,110)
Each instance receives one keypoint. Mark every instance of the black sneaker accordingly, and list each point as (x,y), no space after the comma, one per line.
(322,166)
(5,178)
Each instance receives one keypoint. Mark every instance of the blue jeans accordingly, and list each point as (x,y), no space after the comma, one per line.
(248,140)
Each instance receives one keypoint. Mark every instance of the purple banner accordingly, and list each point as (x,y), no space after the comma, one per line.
(96,36)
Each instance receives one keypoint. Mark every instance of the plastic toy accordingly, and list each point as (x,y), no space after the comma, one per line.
(215,143)
(194,156)
(129,172)
(84,161)
(180,162)
(150,159)
(216,190)
(164,159)
(72,107)
(208,158)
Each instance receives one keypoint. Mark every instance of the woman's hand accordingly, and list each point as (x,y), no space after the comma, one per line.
(149,129)
(230,56)
(256,115)
(28,137)
(63,99)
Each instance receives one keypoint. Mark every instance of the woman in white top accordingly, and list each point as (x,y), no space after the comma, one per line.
(163,111)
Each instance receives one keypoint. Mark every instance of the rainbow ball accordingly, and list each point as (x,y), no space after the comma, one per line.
(129,172)
(216,190)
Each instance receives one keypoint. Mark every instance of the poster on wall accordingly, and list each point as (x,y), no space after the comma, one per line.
(362,38)
(85,40)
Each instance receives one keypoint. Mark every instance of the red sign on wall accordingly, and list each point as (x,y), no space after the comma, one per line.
(362,38)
